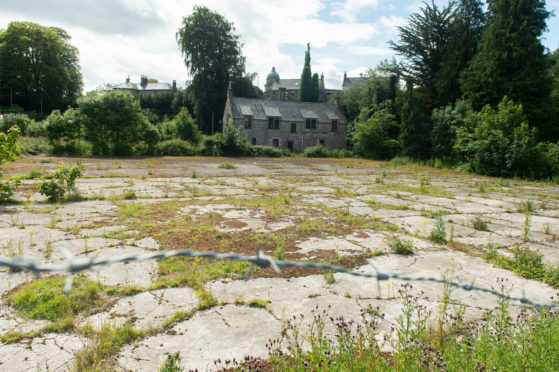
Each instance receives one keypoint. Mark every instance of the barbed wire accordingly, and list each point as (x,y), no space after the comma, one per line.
(74,265)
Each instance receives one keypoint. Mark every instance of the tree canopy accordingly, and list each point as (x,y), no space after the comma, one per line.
(511,61)
(39,68)
(212,55)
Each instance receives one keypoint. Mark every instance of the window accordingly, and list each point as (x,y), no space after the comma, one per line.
(310,124)
(334,125)
(253,141)
(293,127)
(275,142)
(248,122)
(321,142)
(273,123)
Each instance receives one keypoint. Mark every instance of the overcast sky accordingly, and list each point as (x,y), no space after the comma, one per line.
(120,38)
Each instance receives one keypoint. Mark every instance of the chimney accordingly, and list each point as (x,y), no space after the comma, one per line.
(128,79)
(337,100)
(144,81)
(322,86)
(174,85)
(229,92)
(282,94)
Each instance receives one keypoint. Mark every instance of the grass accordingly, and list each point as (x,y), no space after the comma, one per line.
(526,263)
(183,271)
(45,299)
(227,166)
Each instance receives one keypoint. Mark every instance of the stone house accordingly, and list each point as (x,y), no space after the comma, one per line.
(289,124)
(145,88)
(349,81)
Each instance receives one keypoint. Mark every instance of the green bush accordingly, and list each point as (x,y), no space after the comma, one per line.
(114,123)
(175,147)
(401,246)
(22,121)
(185,127)
(60,182)
(316,151)
(232,142)
(376,138)
(269,151)
(438,234)
(37,129)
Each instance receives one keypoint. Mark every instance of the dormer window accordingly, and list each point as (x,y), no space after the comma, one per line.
(273,123)
(248,122)
(310,124)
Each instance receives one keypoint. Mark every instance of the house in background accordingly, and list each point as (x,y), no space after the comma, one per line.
(289,124)
(144,87)
(349,81)
(274,84)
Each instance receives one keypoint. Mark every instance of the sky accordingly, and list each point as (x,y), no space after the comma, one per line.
(120,38)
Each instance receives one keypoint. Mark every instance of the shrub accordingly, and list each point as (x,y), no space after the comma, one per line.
(316,151)
(376,138)
(22,121)
(175,147)
(113,122)
(269,151)
(60,182)
(185,127)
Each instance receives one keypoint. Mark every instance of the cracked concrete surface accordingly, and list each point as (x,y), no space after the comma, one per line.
(317,189)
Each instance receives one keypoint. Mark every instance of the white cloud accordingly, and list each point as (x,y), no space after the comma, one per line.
(348,13)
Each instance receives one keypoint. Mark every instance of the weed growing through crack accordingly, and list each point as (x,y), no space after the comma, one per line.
(438,234)
(480,224)
(525,206)
(227,166)
(401,246)
(172,363)
(527,224)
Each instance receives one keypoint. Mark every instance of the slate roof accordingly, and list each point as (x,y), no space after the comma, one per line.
(149,86)
(352,80)
(288,84)
(261,109)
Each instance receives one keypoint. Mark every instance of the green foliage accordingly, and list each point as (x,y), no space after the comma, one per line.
(172,363)
(438,234)
(212,55)
(445,120)
(22,121)
(185,127)
(269,151)
(479,223)
(501,143)
(63,180)
(8,145)
(113,122)
(45,299)
(175,147)
(316,151)
(511,62)
(377,137)
(401,246)
(63,131)
(232,142)
(40,68)
(306,90)
(415,126)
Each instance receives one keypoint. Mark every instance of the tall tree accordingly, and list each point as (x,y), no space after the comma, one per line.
(39,68)
(212,55)
(423,44)
(511,61)
(306,91)
(315,88)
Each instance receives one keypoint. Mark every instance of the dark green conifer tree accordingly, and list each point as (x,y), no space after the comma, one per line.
(306,93)
(511,61)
